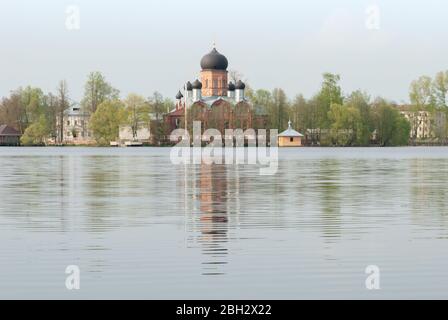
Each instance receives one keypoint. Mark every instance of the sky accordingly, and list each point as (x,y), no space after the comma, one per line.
(146,45)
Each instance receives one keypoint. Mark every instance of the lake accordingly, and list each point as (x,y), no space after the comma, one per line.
(140,227)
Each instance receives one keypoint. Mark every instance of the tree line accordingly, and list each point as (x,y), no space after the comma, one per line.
(430,94)
(327,118)
(38,116)
(356,119)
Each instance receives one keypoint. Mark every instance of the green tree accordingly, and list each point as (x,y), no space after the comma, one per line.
(36,133)
(441,89)
(262,100)
(422,93)
(402,131)
(346,124)
(392,128)
(106,121)
(278,111)
(261,97)
(158,106)
(12,111)
(25,107)
(329,94)
(299,114)
(361,102)
(32,100)
(137,112)
(96,91)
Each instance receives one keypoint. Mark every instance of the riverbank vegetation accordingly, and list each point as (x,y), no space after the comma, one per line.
(329,118)
(332,118)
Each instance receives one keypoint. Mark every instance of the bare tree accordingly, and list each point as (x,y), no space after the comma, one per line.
(235,76)
(62,105)
(51,102)
(12,110)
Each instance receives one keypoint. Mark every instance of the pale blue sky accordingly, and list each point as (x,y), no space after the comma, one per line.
(142,46)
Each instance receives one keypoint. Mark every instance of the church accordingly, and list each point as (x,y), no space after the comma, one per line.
(214,100)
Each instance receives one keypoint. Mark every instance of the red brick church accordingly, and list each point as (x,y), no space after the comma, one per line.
(214,100)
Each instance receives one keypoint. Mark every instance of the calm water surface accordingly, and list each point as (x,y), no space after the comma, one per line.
(140,227)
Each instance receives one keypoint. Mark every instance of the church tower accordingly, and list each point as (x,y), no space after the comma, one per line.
(214,99)
(214,74)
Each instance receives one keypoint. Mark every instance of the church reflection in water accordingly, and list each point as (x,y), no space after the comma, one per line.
(208,213)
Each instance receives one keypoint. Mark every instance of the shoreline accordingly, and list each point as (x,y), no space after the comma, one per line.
(170,146)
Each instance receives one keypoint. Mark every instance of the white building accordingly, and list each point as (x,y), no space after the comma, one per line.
(126,136)
(143,134)
(425,125)
(76,127)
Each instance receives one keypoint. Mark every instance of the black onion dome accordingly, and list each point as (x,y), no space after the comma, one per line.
(214,61)
(179,95)
(197,84)
(231,86)
(240,85)
(189,86)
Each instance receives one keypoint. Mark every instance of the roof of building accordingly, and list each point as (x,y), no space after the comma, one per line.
(209,102)
(405,107)
(6,130)
(240,85)
(290,132)
(213,99)
(231,86)
(189,86)
(76,111)
(176,112)
(179,95)
(214,61)
(197,84)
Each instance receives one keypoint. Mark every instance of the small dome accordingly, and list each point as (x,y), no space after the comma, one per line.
(240,85)
(231,86)
(179,95)
(197,84)
(214,61)
(189,86)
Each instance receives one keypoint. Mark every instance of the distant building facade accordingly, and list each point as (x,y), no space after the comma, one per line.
(9,136)
(425,125)
(126,135)
(76,127)
(214,101)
